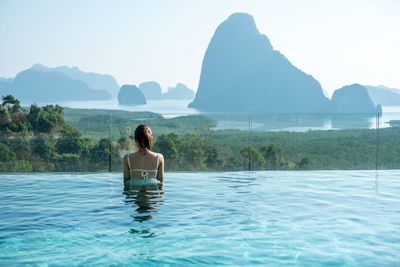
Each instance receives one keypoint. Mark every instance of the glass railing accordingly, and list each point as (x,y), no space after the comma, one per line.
(96,140)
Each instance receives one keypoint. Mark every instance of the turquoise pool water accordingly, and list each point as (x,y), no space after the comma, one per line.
(308,218)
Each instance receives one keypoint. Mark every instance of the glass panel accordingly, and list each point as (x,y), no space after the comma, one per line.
(315,141)
(232,139)
(189,142)
(53,139)
(388,139)
(97,139)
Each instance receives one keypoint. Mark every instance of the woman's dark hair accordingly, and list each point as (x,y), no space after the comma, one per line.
(143,136)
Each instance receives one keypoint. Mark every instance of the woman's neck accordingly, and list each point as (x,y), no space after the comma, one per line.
(143,151)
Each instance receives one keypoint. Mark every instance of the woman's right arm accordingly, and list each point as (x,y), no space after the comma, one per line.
(126,172)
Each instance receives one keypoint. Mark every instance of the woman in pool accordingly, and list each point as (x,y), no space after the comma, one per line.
(143,167)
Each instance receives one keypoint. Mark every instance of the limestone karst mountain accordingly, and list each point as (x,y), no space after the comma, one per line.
(151,90)
(180,91)
(242,72)
(130,95)
(352,99)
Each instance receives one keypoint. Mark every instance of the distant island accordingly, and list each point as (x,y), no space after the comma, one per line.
(180,91)
(131,95)
(42,84)
(352,99)
(38,86)
(241,72)
(384,95)
(63,83)
(93,80)
(152,91)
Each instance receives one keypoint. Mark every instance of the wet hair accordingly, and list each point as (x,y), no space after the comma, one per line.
(143,136)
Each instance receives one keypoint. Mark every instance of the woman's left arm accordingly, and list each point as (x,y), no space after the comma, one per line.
(160,173)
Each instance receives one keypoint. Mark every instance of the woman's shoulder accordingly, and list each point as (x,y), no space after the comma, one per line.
(159,155)
(136,153)
(128,154)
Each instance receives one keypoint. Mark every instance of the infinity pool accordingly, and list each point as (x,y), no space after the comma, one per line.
(308,218)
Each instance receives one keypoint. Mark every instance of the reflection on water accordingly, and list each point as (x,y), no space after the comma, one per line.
(144,200)
(143,233)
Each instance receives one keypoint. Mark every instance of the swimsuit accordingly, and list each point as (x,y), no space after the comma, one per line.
(144,174)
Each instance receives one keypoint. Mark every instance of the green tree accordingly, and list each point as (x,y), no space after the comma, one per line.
(9,99)
(303,164)
(6,154)
(70,141)
(33,117)
(102,153)
(12,116)
(22,166)
(252,159)
(85,156)
(166,146)
(66,163)
(21,146)
(125,143)
(192,153)
(69,144)
(234,163)
(213,159)
(273,155)
(46,119)
(5,119)
(14,104)
(41,146)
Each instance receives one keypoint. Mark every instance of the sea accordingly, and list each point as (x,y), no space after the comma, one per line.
(259,122)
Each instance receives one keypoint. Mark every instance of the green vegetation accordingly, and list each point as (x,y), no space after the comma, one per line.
(38,139)
(100,123)
(55,139)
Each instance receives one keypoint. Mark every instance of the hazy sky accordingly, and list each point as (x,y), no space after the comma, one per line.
(338,42)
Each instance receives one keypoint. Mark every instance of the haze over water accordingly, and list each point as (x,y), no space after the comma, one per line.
(260,122)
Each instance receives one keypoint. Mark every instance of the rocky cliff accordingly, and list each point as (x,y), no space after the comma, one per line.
(242,72)
(352,99)
(131,95)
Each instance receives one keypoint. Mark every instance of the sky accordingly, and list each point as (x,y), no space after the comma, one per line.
(337,42)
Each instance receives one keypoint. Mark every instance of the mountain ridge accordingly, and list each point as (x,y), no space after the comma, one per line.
(94,80)
(34,85)
(384,95)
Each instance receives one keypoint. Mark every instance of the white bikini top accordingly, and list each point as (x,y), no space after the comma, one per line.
(144,173)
